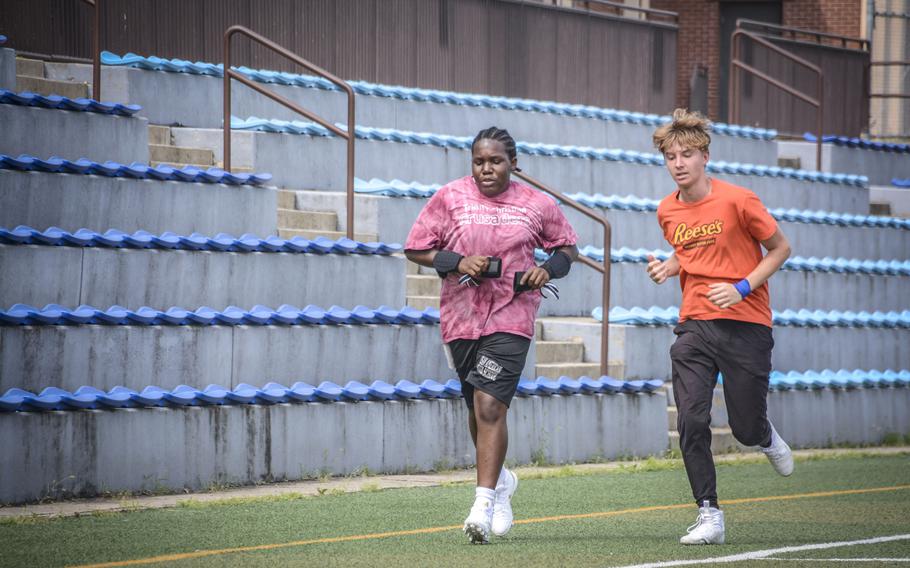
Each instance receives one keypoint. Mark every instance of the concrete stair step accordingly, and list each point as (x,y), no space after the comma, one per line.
(159,135)
(423,302)
(236,170)
(423,285)
(560,351)
(30,67)
(307,220)
(615,369)
(48,87)
(672,413)
(181,155)
(722,441)
(334,235)
(287,199)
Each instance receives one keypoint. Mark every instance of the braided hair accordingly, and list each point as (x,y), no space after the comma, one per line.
(500,135)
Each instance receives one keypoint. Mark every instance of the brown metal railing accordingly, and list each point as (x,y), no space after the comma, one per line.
(348,135)
(603,268)
(620,7)
(737,63)
(96,48)
(905,63)
(795,33)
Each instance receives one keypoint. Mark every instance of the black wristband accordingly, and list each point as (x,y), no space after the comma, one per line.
(445,262)
(558,265)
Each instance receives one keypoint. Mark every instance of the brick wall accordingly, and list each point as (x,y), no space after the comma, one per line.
(699,31)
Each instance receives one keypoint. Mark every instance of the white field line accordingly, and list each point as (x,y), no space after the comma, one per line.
(836,559)
(760,554)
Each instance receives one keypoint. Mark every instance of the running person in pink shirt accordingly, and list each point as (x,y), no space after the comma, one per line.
(478,232)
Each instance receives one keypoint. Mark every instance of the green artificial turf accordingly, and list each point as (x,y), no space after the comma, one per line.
(607,540)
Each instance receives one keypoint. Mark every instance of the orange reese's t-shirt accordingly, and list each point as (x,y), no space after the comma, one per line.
(718,239)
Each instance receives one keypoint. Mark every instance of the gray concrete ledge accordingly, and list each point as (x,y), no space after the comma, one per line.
(580,291)
(68,134)
(392,217)
(7,69)
(133,278)
(72,201)
(280,154)
(818,418)
(84,453)
(35,357)
(880,167)
(896,197)
(181,99)
(645,350)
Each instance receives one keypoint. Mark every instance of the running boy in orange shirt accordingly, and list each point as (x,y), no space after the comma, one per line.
(717,231)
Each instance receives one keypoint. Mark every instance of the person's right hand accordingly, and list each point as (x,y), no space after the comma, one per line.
(658,270)
(473,265)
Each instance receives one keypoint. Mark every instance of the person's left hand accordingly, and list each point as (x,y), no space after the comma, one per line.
(724,295)
(535,278)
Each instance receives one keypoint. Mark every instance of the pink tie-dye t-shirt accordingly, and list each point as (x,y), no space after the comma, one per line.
(511,225)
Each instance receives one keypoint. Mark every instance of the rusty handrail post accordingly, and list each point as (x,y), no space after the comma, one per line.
(602,268)
(735,86)
(96,49)
(348,135)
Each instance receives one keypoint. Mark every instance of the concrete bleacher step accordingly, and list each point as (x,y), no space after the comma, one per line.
(424,285)
(614,369)
(159,135)
(30,67)
(49,87)
(178,165)
(312,234)
(181,155)
(287,199)
(722,441)
(291,218)
(103,276)
(423,302)
(556,351)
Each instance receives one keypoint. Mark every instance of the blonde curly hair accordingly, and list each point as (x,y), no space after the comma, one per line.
(689,129)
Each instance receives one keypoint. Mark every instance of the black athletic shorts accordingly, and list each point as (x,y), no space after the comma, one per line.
(491,364)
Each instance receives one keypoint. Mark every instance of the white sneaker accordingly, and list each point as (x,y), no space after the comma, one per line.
(502,505)
(779,454)
(477,525)
(708,529)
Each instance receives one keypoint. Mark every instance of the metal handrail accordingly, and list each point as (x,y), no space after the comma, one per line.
(863,43)
(905,63)
(649,11)
(603,268)
(96,49)
(736,63)
(230,73)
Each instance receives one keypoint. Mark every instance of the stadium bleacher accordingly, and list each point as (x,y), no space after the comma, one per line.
(117,258)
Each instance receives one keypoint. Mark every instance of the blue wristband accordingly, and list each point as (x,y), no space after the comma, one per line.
(743,287)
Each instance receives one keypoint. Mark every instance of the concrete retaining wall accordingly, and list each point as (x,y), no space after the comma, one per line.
(826,417)
(898,198)
(392,217)
(35,357)
(645,350)
(175,98)
(7,69)
(281,154)
(64,454)
(580,292)
(72,201)
(880,167)
(45,132)
(133,278)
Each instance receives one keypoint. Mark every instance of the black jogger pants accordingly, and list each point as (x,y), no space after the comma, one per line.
(742,352)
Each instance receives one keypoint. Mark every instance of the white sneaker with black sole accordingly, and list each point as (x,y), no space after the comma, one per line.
(708,529)
(502,504)
(779,454)
(477,525)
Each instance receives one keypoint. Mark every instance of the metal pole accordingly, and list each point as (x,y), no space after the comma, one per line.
(350,185)
(226,119)
(96,56)
(821,122)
